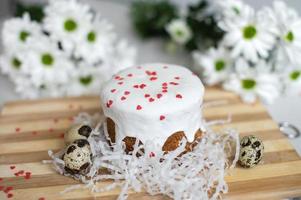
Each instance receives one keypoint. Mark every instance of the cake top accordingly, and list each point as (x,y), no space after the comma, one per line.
(152,89)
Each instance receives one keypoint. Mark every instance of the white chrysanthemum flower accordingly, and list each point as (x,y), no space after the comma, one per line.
(16,31)
(123,57)
(12,63)
(250,36)
(292,81)
(97,43)
(67,21)
(214,66)
(179,31)
(288,24)
(232,9)
(252,83)
(85,81)
(47,64)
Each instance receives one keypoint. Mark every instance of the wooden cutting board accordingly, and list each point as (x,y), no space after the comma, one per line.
(29,128)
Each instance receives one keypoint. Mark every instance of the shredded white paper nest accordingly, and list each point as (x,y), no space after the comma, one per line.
(195,175)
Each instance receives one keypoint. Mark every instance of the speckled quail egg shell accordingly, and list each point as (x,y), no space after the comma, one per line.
(77,157)
(251,151)
(76,132)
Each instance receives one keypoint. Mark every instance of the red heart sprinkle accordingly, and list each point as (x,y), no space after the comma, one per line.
(153,78)
(152,154)
(164,84)
(117,77)
(159,96)
(151,99)
(154,73)
(138,107)
(177,77)
(162,117)
(109,103)
(126,93)
(136,86)
(164,91)
(123,98)
(130,75)
(142,86)
(10,195)
(179,96)
(148,72)
(113,90)
(120,83)
(146,95)
(12,167)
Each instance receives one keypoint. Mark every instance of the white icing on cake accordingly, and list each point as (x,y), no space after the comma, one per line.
(153,101)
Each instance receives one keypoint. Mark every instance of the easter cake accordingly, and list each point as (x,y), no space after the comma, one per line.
(157,102)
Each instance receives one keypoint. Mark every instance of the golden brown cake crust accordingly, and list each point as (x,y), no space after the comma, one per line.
(171,143)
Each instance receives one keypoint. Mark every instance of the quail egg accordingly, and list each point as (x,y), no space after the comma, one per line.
(78,157)
(76,132)
(251,151)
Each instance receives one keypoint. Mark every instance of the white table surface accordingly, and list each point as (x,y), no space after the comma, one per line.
(284,109)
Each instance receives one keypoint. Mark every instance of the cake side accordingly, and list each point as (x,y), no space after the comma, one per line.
(153,101)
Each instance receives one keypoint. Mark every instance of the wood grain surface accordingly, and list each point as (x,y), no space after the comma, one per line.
(28,129)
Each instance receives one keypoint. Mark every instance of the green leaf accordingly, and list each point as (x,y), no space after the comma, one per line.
(149,18)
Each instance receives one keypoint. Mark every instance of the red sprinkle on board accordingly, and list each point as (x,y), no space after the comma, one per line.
(123,98)
(130,75)
(117,77)
(126,93)
(165,88)
(179,96)
(164,91)
(164,84)
(10,195)
(113,90)
(162,117)
(177,77)
(151,99)
(138,107)
(27,175)
(120,83)
(8,189)
(17,129)
(159,96)
(12,167)
(146,95)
